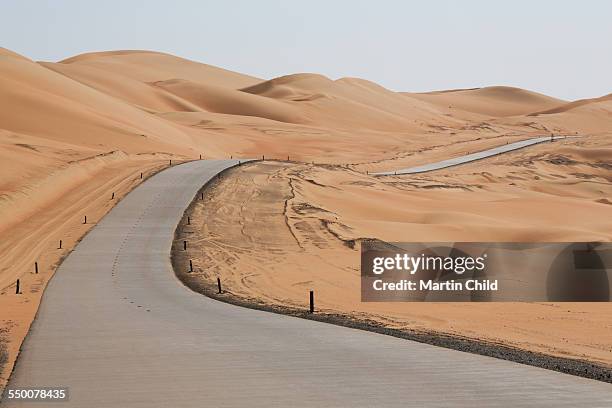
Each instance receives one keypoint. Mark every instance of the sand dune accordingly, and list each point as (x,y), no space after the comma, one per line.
(75,131)
(141,94)
(39,101)
(577,104)
(149,66)
(287,87)
(8,53)
(131,76)
(216,99)
(590,116)
(350,102)
(495,101)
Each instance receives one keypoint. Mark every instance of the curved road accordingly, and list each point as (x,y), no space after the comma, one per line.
(118,328)
(469,157)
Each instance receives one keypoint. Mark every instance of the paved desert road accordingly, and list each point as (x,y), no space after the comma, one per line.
(469,157)
(118,328)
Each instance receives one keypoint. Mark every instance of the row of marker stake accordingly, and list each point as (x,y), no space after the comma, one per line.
(18,283)
(232,157)
(219,290)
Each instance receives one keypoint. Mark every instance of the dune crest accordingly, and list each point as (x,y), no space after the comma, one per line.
(217,99)
(104,54)
(576,104)
(4,52)
(494,101)
(149,66)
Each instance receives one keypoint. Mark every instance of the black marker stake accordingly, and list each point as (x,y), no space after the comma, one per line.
(311,301)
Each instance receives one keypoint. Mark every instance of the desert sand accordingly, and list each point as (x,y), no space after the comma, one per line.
(274,231)
(75,131)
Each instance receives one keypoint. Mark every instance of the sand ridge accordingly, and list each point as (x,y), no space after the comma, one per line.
(495,101)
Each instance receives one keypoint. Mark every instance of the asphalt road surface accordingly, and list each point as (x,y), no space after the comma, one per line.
(120,330)
(469,157)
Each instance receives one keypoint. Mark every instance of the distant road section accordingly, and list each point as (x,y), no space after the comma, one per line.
(118,329)
(469,157)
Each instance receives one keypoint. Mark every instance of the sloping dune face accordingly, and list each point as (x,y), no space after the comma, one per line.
(601,102)
(494,101)
(132,91)
(149,66)
(52,126)
(131,75)
(349,102)
(38,101)
(212,98)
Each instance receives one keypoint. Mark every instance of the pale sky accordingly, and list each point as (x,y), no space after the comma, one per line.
(560,48)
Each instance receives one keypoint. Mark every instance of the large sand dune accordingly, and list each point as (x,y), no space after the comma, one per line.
(212,98)
(596,103)
(75,131)
(494,101)
(149,66)
(39,101)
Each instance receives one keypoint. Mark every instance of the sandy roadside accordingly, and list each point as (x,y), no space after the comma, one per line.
(273,231)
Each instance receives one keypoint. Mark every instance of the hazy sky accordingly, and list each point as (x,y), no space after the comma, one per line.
(561,48)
